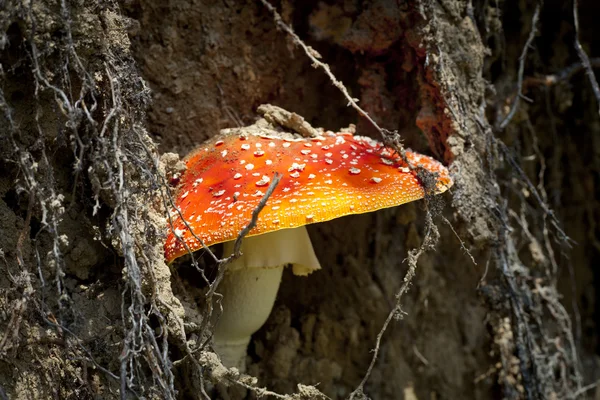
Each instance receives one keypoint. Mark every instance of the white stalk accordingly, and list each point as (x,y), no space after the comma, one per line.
(248,298)
(250,287)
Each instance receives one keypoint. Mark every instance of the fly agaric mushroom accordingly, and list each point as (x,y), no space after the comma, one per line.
(323,178)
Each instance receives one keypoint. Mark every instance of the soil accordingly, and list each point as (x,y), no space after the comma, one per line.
(100,100)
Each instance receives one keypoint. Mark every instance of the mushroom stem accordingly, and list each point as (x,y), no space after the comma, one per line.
(248,297)
(250,286)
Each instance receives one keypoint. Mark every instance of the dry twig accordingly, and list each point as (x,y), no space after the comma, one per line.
(390,138)
(585,61)
(522,59)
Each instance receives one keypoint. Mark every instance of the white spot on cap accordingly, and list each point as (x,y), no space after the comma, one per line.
(276,221)
(242,162)
(276,208)
(178,231)
(354,171)
(219,142)
(237,176)
(264,181)
(305,152)
(258,145)
(271,144)
(268,162)
(351,208)
(286,144)
(310,217)
(197,182)
(259,153)
(329,181)
(286,189)
(375,179)
(223,153)
(219,193)
(245,146)
(404,169)
(295,174)
(328,161)
(185,195)
(250,167)
(296,167)
(258,193)
(387,161)
(312,176)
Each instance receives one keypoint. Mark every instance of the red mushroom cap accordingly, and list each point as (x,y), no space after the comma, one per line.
(323,178)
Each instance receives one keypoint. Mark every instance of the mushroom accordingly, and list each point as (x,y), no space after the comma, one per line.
(323,178)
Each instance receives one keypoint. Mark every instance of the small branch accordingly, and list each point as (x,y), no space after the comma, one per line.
(238,241)
(585,61)
(391,138)
(462,244)
(561,76)
(263,202)
(587,388)
(522,59)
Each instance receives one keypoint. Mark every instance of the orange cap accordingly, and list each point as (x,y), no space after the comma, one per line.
(322,178)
